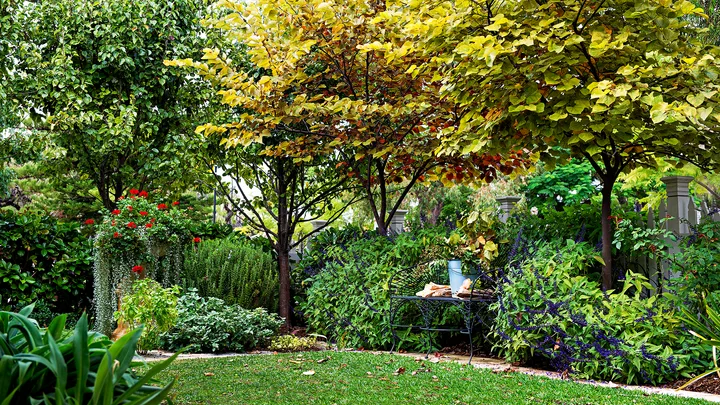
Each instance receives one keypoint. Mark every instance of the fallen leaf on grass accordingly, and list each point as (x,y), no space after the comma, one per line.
(209,374)
(309,372)
(435,360)
(295,361)
(399,371)
(323,360)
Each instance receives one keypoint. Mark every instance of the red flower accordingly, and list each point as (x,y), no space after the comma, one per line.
(116,235)
(131,225)
(134,191)
(148,226)
(89,221)
(129,208)
(143,194)
(116,212)
(176,203)
(143,213)
(132,197)
(152,220)
(113,222)
(196,239)
(138,269)
(162,206)
(121,197)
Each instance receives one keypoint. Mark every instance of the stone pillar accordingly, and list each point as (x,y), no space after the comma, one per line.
(506,205)
(397,222)
(678,203)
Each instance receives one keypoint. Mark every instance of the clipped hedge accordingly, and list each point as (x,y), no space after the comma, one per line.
(234,270)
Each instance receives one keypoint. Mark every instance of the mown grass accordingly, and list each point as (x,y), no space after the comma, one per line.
(365,378)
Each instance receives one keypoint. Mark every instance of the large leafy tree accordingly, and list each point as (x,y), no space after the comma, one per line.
(276,195)
(616,82)
(91,75)
(345,83)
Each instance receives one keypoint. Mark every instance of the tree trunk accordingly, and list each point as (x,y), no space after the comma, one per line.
(381,226)
(282,247)
(606,212)
(284,275)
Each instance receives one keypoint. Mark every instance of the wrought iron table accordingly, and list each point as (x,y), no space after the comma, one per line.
(406,282)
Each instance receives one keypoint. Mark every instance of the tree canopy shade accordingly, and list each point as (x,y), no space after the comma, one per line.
(345,83)
(616,82)
(92,75)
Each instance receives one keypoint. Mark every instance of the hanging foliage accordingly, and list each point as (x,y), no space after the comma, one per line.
(138,239)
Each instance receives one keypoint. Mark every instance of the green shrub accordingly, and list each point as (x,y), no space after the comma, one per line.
(43,259)
(548,307)
(292,343)
(210,325)
(54,366)
(234,270)
(707,328)
(699,258)
(346,286)
(151,305)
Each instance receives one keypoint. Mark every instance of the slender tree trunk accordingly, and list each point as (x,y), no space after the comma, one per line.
(283,243)
(606,212)
(284,275)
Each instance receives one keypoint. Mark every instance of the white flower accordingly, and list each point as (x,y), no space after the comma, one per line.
(534,210)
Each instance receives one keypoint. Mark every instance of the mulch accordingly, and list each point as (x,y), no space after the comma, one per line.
(709,384)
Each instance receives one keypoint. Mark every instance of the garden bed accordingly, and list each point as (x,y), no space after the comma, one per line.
(709,384)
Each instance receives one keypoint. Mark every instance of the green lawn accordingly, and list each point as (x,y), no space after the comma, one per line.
(364,378)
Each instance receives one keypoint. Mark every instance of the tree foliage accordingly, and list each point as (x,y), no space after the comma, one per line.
(91,74)
(616,82)
(344,81)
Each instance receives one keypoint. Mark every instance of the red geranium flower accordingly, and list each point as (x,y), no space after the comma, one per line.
(132,197)
(152,220)
(143,194)
(116,235)
(134,191)
(143,213)
(116,212)
(162,206)
(176,202)
(196,239)
(89,221)
(148,226)
(131,225)
(129,208)
(138,269)
(121,197)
